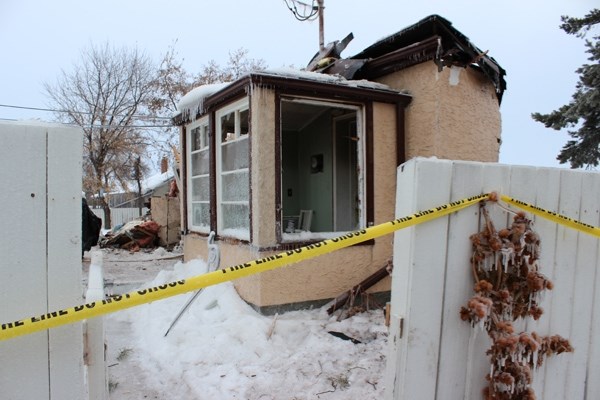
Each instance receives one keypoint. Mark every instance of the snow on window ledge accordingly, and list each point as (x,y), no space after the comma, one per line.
(237,233)
(304,236)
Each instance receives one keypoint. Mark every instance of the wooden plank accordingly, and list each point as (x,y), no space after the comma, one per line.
(467,180)
(428,275)
(424,297)
(593,362)
(583,291)
(23,263)
(396,359)
(495,177)
(520,187)
(555,382)
(64,259)
(547,185)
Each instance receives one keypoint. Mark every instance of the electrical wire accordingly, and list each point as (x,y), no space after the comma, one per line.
(78,112)
(314,11)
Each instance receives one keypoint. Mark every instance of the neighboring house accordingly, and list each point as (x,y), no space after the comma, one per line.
(157,185)
(282,158)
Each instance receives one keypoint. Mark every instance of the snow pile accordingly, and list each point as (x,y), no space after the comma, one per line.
(222,349)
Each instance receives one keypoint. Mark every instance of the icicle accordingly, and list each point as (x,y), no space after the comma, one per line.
(480,324)
(507,253)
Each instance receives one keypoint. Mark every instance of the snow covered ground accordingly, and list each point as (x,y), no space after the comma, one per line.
(223,349)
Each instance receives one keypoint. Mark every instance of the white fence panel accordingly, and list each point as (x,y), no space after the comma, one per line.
(40,267)
(433,353)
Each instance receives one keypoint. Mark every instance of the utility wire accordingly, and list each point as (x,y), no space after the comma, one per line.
(97,126)
(78,112)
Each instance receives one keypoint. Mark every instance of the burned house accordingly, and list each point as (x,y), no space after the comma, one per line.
(279,159)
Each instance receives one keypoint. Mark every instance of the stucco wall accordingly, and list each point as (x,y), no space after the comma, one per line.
(263,167)
(323,277)
(327,276)
(454,113)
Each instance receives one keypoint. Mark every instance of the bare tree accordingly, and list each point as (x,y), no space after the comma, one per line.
(104,94)
(173,81)
(237,65)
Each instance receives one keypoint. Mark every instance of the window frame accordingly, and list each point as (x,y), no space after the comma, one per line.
(361,111)
(205,147)
(237,108)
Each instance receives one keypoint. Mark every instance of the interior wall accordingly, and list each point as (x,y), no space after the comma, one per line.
(290,190)
(316,188)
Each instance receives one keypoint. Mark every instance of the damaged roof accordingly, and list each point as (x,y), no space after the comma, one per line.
(432,38)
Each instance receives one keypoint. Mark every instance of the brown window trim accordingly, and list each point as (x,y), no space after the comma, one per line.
(285,246)
(369,163)
(212,124)
(289,87)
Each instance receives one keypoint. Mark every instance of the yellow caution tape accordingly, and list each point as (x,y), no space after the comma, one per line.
(554,217)
(94,309)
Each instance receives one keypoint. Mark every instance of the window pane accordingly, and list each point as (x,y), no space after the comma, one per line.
(201,214)
(235,186)
(235,216)
(244,123)
(204,136)
(196,139)
(200,189)
(235,155)
(200,164)
(228,127)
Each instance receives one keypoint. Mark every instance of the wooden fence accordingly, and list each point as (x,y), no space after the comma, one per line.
(120,216)
(436,355)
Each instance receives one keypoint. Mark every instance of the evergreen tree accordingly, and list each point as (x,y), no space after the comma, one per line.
(582,113)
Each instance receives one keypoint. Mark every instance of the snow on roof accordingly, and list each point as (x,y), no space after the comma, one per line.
(325,78)
(41,124)
(193,101)
(154,181)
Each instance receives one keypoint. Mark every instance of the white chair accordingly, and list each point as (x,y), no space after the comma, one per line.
(305,220)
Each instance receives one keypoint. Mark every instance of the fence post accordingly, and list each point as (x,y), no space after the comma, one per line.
(95,354)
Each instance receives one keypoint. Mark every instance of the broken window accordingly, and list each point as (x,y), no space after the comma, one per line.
(233,179)
(198,177)
(322,179)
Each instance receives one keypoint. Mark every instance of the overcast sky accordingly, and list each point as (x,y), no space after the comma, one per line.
(38,39)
